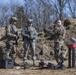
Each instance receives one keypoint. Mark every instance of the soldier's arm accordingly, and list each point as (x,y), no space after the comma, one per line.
(35,34)
(10,34)
(48,31)
(23,33)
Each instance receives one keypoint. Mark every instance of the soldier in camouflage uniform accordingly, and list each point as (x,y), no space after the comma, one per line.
(59,36)
(59,32)
(29,34)
(12,36)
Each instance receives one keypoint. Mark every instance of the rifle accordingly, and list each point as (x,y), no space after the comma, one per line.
(16,39)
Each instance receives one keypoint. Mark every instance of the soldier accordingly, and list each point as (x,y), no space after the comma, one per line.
(59,32)
(29,34)
(59,36)
(12,36)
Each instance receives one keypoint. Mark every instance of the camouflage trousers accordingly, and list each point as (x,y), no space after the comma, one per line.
(11,50)
(59,52)
(29,44)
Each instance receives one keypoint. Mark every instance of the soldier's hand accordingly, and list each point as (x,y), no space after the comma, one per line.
(32,38)
(28,36)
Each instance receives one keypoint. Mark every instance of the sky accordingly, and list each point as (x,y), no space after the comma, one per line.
(9,2)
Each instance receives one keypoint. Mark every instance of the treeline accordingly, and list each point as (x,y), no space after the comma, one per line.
(43,12)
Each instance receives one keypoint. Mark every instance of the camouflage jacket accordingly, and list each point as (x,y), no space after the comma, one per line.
(29,32)
(11,32)
(59,32)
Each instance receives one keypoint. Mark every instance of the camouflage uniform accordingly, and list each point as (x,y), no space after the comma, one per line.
(29,34)
(59,32)
(11,35)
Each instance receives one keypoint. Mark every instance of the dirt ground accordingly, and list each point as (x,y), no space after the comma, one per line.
(34,71)
(37,71)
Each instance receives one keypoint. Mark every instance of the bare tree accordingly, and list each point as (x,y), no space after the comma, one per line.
(72,8)
(59,6)
(4,15)
(43,12)
(21,16)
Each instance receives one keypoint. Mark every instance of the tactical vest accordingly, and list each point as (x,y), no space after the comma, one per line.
(11,30)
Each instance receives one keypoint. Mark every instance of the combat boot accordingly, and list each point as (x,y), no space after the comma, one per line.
(60,66)
(34,58)
(41,63)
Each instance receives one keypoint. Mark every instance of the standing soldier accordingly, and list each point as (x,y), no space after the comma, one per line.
(59,32)
(29,34)
(12,36)
(59,36)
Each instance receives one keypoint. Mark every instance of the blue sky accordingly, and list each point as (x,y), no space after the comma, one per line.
(8,4)
(14,2)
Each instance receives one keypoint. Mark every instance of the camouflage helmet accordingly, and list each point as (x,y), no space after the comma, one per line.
(29,20)
(13,19)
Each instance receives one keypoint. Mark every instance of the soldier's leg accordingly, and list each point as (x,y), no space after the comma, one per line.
(61,55)
(7,54)
(61,59)
(14,50)
(56,50)
(9,47)
(13,54)
(61,51)
(26,47)
(32,46)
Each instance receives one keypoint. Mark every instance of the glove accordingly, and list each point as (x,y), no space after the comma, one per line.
(28,36)
(32,38)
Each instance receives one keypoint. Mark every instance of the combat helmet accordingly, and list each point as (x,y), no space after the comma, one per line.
(29,20)
(13,19)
